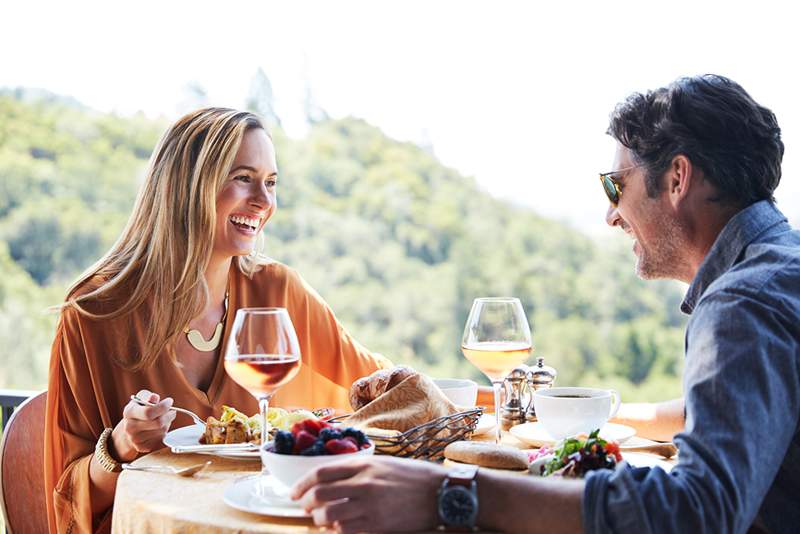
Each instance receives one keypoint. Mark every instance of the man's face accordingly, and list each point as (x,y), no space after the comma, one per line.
(657,234)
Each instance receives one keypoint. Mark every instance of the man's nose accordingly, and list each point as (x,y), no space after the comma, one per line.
(612,216)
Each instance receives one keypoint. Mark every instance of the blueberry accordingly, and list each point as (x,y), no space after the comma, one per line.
(356,434)
(284,442)
(317,449)
(328,434)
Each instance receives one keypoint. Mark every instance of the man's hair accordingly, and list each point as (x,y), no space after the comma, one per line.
(712,121)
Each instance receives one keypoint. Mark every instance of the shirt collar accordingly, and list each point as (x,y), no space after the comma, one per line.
(740,231)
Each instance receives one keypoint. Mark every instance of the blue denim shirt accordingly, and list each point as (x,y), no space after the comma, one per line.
(739,461)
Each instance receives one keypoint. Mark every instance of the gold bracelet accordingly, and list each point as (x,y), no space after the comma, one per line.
(101,453)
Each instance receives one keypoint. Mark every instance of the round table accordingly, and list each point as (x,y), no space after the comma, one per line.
(154,502)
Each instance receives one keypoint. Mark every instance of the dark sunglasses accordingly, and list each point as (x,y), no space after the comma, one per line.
(611,184)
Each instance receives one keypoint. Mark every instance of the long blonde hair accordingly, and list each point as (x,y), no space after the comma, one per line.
(166,245)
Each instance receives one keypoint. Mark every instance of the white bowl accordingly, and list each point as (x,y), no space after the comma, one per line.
(461,392)
(289,468)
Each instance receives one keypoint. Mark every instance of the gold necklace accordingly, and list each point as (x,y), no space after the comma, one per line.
(196,339)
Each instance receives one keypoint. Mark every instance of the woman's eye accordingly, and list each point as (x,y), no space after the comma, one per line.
(242,177)
(272,183)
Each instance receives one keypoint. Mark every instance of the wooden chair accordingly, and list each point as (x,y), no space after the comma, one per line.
(22,498)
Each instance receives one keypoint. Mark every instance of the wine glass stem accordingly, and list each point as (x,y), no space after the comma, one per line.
(263,407)
(496,386)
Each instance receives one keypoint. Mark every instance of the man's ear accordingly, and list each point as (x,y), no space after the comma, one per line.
(680,176)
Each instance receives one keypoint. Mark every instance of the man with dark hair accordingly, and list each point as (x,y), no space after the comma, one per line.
(695,169)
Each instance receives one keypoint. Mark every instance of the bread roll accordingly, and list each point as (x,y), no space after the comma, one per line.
(366,389)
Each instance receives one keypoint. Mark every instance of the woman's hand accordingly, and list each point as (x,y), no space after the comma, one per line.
(382,494)
(142,428)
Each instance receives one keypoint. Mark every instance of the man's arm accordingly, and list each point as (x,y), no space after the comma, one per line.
(405,492)
(659,421)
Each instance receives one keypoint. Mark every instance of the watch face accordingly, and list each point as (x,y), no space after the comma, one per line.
(458,506)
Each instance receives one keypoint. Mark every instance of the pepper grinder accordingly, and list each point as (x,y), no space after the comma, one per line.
(539,376)
(513,411)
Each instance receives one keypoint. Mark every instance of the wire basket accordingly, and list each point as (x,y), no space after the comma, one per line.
(427,441)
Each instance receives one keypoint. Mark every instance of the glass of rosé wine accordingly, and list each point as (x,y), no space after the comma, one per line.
(496,339)
(262,354)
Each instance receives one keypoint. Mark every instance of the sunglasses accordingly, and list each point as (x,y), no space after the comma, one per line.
(611,184)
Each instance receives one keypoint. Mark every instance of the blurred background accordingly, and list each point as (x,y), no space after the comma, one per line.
(430,153)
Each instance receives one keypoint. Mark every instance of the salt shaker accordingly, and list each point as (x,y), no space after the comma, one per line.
(513,410)
(539,376)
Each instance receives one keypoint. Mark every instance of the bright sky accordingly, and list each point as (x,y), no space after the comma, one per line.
(516,94)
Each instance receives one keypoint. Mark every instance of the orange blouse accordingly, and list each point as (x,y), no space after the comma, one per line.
(87,390)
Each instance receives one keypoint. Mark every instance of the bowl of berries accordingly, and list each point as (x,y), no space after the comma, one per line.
(311,444)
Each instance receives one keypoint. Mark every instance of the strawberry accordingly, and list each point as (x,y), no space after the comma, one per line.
(303,440)
(352,440)
(340,446)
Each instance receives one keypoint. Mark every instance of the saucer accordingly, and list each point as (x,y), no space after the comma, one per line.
(535,435)
(243,496)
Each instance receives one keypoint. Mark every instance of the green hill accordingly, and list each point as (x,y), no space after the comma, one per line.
(396,242)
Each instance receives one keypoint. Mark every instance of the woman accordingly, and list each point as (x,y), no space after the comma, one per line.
(153,314)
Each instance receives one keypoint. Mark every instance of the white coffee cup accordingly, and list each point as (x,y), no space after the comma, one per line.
(461,392)
(565,411)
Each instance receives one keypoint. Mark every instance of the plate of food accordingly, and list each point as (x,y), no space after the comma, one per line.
(574,457)
(233,435)
(535,435)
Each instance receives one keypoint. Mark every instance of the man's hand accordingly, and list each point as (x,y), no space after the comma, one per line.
(373,494)
(142,428)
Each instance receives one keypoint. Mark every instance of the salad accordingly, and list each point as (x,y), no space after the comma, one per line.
(574,457)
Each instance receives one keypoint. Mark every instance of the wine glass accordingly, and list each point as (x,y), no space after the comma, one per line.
(262,355)
(496,339)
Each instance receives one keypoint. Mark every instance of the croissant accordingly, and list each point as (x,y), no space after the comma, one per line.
(366,389)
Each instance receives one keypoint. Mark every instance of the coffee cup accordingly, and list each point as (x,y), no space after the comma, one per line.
(567,411)
(461,392)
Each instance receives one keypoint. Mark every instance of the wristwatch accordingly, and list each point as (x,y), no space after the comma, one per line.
(458,499)
(105,459)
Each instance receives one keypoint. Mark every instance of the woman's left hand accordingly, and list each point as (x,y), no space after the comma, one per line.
(374,494)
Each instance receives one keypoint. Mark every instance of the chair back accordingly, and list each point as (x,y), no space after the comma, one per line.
(22,498)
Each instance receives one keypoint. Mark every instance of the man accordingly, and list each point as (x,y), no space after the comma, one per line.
(695,169)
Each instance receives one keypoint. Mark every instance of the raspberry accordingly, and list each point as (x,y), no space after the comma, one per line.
(284,442)
(340,446)
(327,434)
(303,440)
(316,449)
(312,426)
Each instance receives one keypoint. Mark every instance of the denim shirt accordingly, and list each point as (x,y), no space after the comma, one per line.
(739,461)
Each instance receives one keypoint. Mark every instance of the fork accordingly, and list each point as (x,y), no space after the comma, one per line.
(191,414)
(169,470)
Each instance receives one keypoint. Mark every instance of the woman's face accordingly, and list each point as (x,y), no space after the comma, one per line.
(247,198)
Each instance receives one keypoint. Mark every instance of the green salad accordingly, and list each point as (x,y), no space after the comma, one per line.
(574,457)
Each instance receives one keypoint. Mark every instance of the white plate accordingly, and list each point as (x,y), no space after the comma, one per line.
(535,435)
(641,459)
(190,435)
(243,495)
(486,422)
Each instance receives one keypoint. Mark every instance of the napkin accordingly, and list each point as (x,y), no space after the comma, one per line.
(412,402)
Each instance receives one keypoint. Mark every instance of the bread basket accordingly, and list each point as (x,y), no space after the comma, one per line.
(427,441)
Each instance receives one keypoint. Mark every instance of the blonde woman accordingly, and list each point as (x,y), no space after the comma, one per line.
(152,315)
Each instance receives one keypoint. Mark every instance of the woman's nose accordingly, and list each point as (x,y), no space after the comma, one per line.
(260,196)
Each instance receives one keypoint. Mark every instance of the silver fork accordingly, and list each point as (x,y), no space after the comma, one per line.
(191,414)
(185,472)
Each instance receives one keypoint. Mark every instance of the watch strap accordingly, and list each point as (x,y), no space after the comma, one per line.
(104,458)
(461,476)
